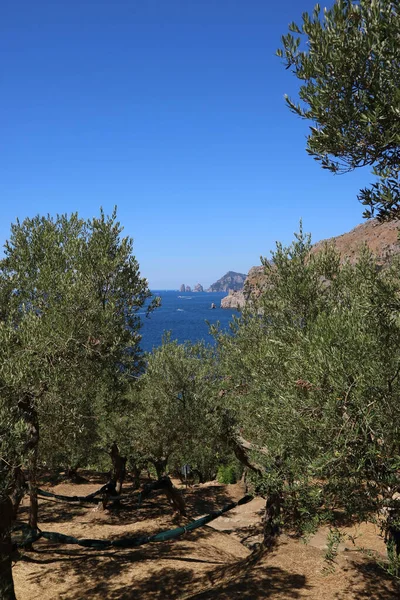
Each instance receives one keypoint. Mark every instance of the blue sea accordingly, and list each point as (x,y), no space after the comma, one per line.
(185,315)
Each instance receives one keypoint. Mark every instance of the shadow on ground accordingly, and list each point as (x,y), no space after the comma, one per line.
(266,582)
(370,581)
(205,564)
(52,511)
(247,579)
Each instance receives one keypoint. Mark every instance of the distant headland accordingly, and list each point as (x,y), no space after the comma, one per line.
(231,281)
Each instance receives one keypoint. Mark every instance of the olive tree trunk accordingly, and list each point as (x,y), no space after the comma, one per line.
(274,502)
(272,518)
(160,466)
(118,473)
(136,471)
(19,490)
(29,414)
(6,580)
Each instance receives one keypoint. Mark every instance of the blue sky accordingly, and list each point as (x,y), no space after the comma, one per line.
(172,110)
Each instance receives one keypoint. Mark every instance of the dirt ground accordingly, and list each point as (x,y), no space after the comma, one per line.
(219,561)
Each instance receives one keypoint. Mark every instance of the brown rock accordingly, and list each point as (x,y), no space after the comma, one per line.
(381,239)
(234,300)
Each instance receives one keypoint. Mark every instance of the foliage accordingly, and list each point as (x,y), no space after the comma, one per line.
(70,291)
(334,538)
(227,474)
(348,62)
(314,377)
(173,416)
(393,565)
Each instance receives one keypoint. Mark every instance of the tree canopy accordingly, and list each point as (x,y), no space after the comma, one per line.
(303,391)
(172,419)
(70,293)
(314,378)
(347,60)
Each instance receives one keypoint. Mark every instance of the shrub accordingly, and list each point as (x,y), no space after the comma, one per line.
(226,474)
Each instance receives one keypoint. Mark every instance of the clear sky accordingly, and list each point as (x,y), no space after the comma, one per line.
(172,110)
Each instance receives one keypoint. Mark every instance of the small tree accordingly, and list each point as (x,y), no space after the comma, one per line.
(313,379)
(348,63)
(172,418)
(70,292)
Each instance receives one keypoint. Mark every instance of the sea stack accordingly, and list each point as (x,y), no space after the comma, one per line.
(188,288)
(198,288)
(182,288)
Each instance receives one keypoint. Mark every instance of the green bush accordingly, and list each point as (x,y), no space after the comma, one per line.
(226,474)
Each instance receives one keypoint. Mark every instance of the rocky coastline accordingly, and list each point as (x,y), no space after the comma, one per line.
(382,239)
(235,299)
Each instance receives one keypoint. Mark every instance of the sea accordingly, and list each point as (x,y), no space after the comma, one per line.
(185,315)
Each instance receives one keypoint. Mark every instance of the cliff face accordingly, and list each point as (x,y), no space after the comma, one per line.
(237,299)
(234,300)
(381,239)
(230,281)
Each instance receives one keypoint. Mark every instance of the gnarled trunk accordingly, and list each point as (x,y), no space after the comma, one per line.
(6,580)
(136,470)
(71,473)
(29,414)
(119,468)
(199,475)
(272,519)
(273,507)
(19,490)
(32,487)
(160,466)
(243,479)
(392,532)
(109,490)
(175,498)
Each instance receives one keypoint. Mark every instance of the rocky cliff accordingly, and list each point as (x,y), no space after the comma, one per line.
(234,300)
(381,239)
(198,288)
(230,281)
(238,298)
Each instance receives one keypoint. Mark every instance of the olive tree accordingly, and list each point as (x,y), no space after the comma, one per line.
(173,419)
(70,293)
(313,380)
(347,60)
